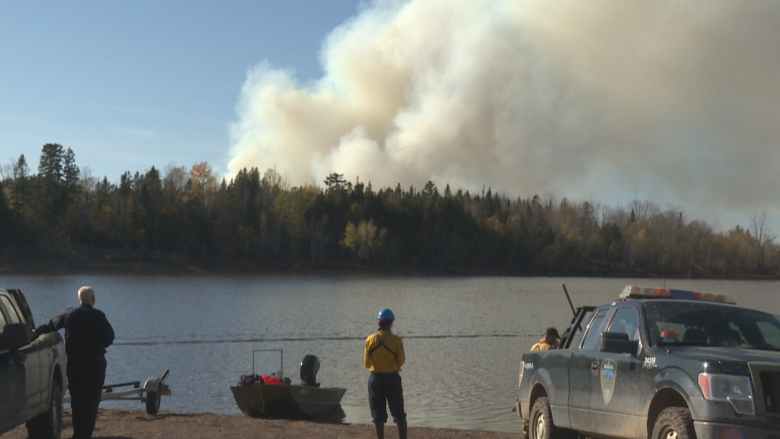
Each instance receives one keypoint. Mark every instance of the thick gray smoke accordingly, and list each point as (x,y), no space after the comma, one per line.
(677,102)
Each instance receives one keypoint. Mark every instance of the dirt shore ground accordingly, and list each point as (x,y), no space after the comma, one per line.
(125,424)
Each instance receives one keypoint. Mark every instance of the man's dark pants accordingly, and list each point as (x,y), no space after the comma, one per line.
(85,381)
(385,388)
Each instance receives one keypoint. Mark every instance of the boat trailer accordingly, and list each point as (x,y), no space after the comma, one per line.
(154,388)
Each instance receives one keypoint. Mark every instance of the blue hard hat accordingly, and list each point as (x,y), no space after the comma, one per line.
(386,314)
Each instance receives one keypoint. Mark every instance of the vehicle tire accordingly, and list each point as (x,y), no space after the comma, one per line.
(674,423)
(48,425)
(541,422)
(153,401)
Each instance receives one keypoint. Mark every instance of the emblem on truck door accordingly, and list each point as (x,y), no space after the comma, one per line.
(607,374)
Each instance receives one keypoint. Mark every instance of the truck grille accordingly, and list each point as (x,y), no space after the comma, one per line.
(770,384)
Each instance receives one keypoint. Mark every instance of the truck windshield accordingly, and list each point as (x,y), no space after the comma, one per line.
(704,324)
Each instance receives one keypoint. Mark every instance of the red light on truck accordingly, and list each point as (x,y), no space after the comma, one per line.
(663,293)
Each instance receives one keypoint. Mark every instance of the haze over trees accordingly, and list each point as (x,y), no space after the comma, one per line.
(257,219)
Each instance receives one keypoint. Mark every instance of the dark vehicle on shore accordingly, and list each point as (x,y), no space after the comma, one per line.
(32,371)
(660,364)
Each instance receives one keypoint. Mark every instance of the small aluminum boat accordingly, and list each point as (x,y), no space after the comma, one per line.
(292,401)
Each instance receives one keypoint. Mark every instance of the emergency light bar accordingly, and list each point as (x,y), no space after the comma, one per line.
(635,292)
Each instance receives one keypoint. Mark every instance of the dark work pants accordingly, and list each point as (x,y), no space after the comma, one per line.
(385,389)
(85,381)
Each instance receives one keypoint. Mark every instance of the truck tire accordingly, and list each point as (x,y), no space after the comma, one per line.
(541,422)
(674,423)
(48,425)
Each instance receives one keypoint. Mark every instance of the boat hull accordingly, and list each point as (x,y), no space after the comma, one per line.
(287,401)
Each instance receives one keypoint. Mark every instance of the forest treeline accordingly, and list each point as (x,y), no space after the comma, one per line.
(259,220)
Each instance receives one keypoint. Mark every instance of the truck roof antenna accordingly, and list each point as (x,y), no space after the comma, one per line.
(569,299)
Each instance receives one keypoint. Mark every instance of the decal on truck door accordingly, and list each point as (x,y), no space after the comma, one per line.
(607,374)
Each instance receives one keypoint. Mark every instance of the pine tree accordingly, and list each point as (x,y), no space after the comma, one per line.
(50,165)
(70,174)
(430,191)
(21,186)
(6,218)
(49,206)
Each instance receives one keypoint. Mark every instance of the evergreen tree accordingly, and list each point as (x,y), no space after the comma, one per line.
(21,185)
(6,218)
(50,164)
(430,191)
(70,174)
(49,205)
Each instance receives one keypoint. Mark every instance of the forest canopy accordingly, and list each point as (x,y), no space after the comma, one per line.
(258,219)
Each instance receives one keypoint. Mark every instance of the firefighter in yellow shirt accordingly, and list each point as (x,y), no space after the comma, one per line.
(384,356)
(550,340)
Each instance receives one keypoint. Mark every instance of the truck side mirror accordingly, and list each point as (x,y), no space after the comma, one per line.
(15,335)
(617,343)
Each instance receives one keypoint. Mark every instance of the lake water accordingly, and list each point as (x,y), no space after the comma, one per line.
(463,337)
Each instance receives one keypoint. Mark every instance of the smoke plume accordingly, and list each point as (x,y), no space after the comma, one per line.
(678,102)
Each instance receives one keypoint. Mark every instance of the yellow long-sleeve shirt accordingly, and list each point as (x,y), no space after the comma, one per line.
(541,346)
(381,359)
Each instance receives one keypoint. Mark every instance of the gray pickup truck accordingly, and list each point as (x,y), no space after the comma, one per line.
(32,371)
(660,364)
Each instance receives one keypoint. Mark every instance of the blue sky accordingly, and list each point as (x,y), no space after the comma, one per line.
(131,84)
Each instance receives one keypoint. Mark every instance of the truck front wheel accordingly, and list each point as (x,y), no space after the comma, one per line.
(48,425)
(674,423)
(542,426)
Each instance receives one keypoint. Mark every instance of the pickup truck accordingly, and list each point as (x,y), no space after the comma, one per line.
(657,363)
(32,371)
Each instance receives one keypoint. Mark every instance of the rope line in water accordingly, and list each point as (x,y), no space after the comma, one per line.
(300,339)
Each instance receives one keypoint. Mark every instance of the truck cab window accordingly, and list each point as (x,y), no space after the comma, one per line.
(771,333)
(10,310)
(626,322)
(703,324)
(592,335)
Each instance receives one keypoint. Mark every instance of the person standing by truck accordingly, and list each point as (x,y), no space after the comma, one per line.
(384,356)
(87,335)
(549,341)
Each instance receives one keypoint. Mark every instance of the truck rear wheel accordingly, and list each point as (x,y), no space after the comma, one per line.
(48,425)
(542,426)
(674,423)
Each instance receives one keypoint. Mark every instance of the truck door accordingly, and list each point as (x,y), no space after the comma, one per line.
(616,382)
(579,374)
(12,396)
(24,366)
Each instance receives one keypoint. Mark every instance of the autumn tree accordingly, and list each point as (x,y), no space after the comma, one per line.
(365,241)
(202,185)
(762,235)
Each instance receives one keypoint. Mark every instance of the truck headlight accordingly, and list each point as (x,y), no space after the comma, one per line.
(737,390)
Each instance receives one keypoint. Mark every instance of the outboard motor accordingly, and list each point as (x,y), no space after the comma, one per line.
(309,368)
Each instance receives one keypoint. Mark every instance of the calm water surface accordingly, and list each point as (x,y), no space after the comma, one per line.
(463,337)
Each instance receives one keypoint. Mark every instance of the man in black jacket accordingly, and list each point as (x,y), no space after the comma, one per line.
(87,335)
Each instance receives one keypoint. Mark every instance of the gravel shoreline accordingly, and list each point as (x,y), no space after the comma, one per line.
(130,424)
